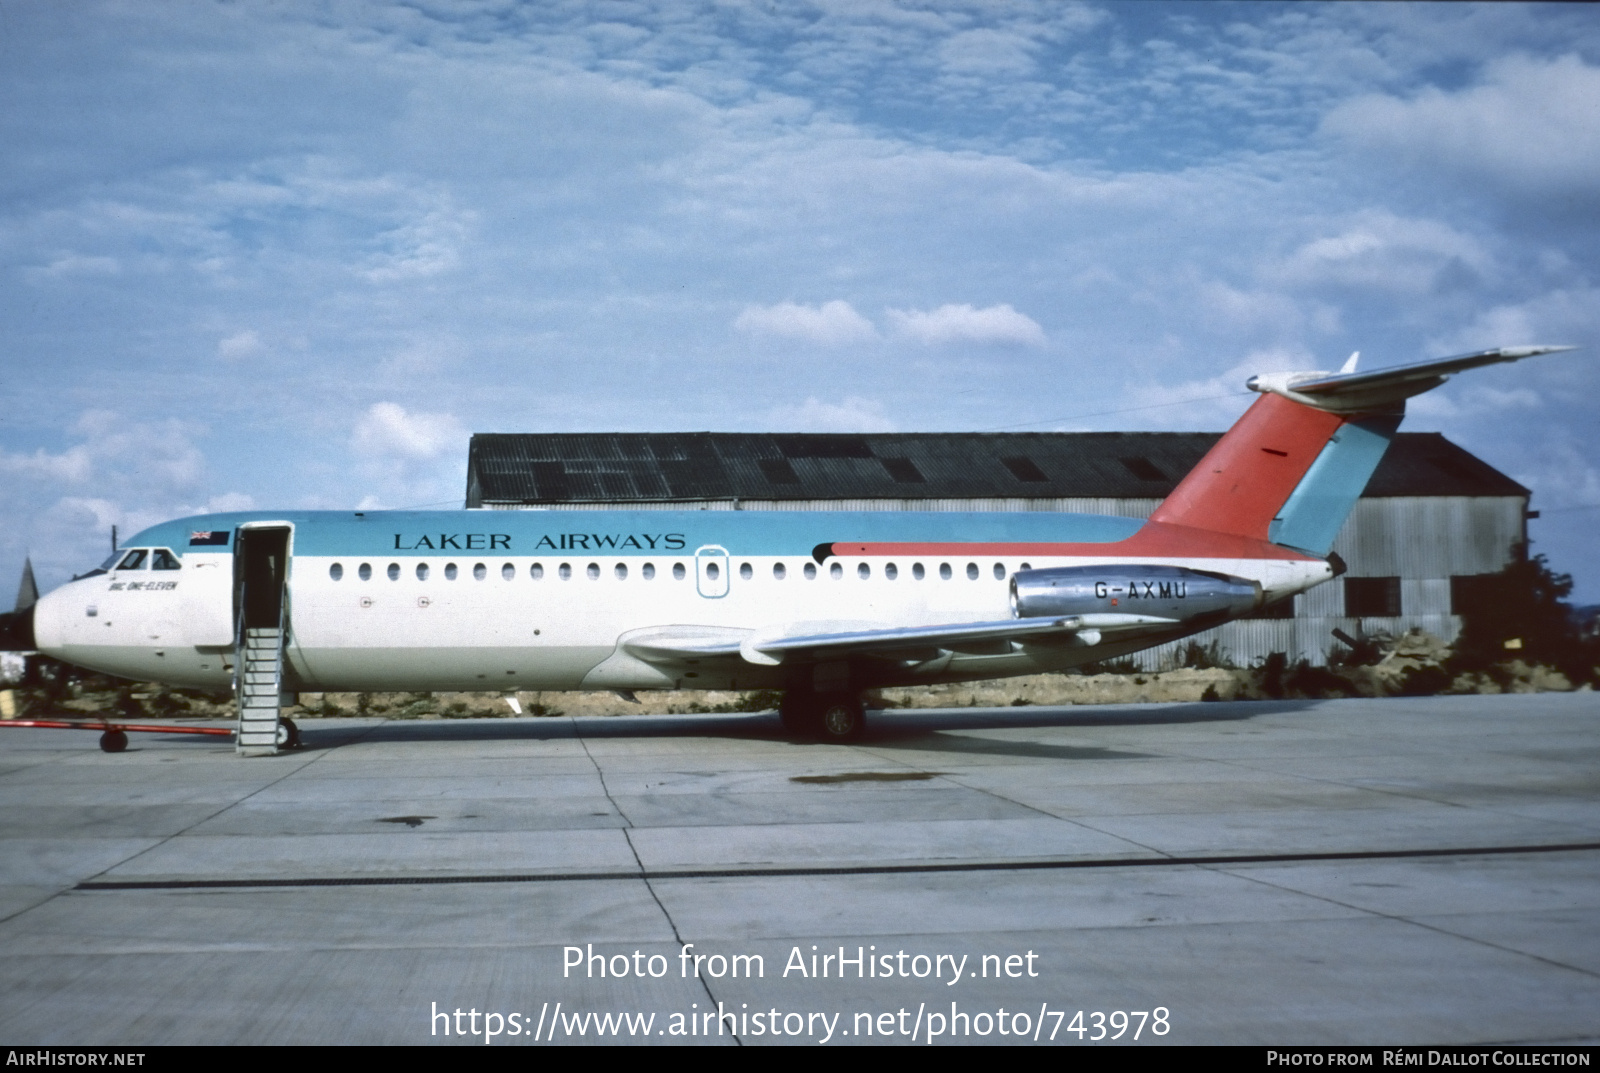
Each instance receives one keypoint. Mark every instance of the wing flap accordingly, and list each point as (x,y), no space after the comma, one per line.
(675,644)
(782,644)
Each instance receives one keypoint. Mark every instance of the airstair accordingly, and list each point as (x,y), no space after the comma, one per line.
(258,685)
(261,568)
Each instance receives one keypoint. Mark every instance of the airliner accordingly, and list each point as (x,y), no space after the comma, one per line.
(821,605)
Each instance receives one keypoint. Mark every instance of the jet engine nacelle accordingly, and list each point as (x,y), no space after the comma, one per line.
(1159,591)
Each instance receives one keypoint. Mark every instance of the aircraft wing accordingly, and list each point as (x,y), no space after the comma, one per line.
(779,645)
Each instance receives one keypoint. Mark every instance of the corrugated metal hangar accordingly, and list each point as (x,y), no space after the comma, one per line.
(1433,517)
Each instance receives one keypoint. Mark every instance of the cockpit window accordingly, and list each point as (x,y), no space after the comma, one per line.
(134,560)
(162,559)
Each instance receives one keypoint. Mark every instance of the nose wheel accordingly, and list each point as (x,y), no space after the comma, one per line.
(113,741)
(288,733)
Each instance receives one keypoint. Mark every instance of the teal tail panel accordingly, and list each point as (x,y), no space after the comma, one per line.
(1325,496)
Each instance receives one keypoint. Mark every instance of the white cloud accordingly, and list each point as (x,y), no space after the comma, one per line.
(834,323)
(423,247)
(1531,125)
(75,264)
(964,324)
(240,345)
(228,502)
(75,513)
(1382,251)
(987,52)
(853,414)
(72,465)
(1214,402)
(1565,477)
(387,429)
(1557,317)
(1472,401)
(1273,312)
(155,457)
(159,457)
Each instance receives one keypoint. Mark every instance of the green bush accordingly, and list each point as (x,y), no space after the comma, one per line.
(1524,604)
(1205,657)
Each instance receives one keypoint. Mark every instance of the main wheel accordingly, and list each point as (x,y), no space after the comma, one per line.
(288,734)
(843,717)
(113,741)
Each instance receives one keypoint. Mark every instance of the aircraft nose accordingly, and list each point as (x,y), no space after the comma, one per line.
(16,630)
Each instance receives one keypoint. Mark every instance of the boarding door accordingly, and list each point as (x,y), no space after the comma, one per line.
(711,571)
(260,578)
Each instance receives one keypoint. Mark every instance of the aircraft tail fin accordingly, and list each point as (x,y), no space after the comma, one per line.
(1291,469)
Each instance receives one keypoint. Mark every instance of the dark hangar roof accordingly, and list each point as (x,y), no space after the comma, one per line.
(609,467)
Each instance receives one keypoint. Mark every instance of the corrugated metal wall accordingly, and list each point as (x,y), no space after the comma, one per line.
(1422,541)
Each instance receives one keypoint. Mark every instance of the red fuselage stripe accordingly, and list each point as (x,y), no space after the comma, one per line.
(1152,540)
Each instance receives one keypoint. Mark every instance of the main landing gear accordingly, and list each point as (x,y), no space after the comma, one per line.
(825,716)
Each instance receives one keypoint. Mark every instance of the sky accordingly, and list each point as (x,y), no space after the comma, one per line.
(292,254)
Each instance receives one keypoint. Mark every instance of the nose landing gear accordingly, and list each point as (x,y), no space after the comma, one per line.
(288,733)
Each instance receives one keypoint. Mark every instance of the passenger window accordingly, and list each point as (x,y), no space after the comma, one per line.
(863,571)
(479,572)
(336,571)
(162,559)
(778,571)
(622,572)
(944,571)
(713,571)
(891,571)
(917,571)
(810,571)
(364,572)
(134,560)
(593,571)
(508,571)
(972,571)
(999,571)
(536,571)
(565,570)
(394,571)
(422,571)
(677,571)
(836,571)
(746,571)
(449,571)
(648,571)
(1026,566)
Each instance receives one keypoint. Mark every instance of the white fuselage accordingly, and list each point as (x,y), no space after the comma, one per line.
(499,618)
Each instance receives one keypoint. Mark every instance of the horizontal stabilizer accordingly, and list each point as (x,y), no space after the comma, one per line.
(1349,392)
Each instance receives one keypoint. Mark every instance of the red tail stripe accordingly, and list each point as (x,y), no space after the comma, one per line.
(1249,475)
